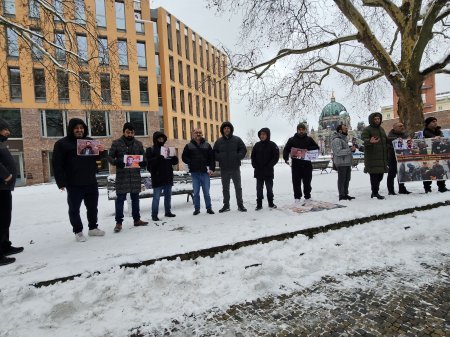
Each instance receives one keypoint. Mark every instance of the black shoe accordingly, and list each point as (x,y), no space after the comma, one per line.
(348,197)
(428,190)
(392,193)
(342,197)
(404,192)
(442,190)
(210,211)
(6,260)
(242,209)
(307,197)
(258,207)
(170,215)
(13,250)
(225,208)
(376,195)
(196,212)
(272,205)
(155,218)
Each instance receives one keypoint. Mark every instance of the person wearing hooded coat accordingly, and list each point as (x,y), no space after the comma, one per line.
(229,150)
(162,175)
(8,176)
(397,132)
(76,175)
(128,180)
(301,169)
(375,152)
(265,156)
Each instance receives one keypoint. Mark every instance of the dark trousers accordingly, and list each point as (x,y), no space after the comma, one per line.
(375,180)
(234,175)
(344,176)
(302,174)
(269,188)
(77,194)
(392,173)
(440,184)
(135,211)
(5,220)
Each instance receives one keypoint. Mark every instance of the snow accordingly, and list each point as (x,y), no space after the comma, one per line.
(115,301)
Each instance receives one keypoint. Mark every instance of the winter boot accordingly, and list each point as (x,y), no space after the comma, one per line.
(271,204)
(258,204)
(402,189)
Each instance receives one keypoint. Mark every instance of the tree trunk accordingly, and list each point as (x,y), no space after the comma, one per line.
(410,109)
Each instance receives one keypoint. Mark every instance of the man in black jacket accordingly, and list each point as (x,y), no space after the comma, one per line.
(397,133)
(76,174)
(432,130)
(265,156)
(229,150)
(199,156)
(7,181)
(301,169)
(162,175)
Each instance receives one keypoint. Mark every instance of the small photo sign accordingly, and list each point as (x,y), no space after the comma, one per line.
(132,160)
(87,147)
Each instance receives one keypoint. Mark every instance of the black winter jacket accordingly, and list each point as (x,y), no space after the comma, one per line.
(300,142)
(265,156)
(160,168)
(229,151)
(7,167)
(428,133)
(199,156)
(69,168)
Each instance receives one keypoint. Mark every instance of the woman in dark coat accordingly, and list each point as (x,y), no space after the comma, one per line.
(162,174)
(265,155)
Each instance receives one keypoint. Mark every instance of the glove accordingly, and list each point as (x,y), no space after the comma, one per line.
(142,164)
(120,164)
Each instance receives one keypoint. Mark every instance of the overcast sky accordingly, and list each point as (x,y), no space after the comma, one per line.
(224,30)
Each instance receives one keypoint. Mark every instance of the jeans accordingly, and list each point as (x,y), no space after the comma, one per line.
(344,176)
(77,194)
(167,191)
(134,206)
(260,186)
(234,175)
(201,179)
(5,220)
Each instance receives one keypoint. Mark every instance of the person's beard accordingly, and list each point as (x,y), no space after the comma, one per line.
(129,138)
(344,133)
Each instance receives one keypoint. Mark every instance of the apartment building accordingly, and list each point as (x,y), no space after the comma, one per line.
(103,61)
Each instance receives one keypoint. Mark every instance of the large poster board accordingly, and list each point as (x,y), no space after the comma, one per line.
(422,159)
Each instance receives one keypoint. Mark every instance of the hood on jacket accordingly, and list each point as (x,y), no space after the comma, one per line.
(225,124)
(266,131)
(158,134)
(72,124)
(338,135)
(372,116)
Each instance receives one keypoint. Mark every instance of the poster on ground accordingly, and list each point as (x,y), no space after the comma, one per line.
(422,159)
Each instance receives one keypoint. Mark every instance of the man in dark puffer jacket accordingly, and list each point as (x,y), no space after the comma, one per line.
(265,156)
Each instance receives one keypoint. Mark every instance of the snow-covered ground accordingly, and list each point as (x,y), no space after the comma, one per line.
(117,300)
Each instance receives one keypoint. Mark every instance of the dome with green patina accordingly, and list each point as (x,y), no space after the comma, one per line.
(333,114)
(332,109)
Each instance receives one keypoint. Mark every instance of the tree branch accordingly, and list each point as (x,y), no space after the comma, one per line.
(391,9)
(437,67)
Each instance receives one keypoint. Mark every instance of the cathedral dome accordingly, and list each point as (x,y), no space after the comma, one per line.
(333,114)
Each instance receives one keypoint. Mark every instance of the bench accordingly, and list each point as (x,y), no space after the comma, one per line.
(356,161)
(322,165)
(182,184)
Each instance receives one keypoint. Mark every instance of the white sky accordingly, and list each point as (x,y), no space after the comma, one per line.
(224,30)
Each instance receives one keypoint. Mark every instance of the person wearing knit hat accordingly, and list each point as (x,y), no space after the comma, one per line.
(7,181)
(432,130)
(301,170)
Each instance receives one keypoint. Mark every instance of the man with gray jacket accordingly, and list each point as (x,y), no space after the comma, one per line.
(342,158)
(229,150)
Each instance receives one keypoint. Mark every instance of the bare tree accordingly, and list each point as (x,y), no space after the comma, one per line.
(251,138)
(366,43)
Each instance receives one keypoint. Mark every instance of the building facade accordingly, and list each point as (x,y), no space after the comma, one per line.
(106,62)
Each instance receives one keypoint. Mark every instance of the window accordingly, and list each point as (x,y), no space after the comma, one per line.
(105,87)
(15,88)
(203,82)
(183,128)
(182,107)
(80,12)
(155,36)
(125,89)
(160,100)
(217,131)
(210,110)
(225,92)
(191,112)
(212,132)
(139,25)
(141,57)
(226,113)
(174,98)
(12,117)
(9,7)
(197,105)
(103,53)
(82,48)
(200,45)
(157,66)
(175,128)
(180,72)
(215,88)
(85,87)
(100,13)
(171,69)
(36,47)
(62,81)
(59,9)
(53,123)
(169,32)
(221,112)
(39,85)
(216,112)
(139,121)
(194,48)
(209,86)
(207,56)
(34,9)
(143,90)
(220,90)
(98,123)
(191,127)
(188,76)
(123,53)
(186,42)
(195,79)
(205,128)
(12,41)
(120,16)
(60,42)
(204,107)
(178,34)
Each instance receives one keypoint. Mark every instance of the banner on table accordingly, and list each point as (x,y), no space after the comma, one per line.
(422,159)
